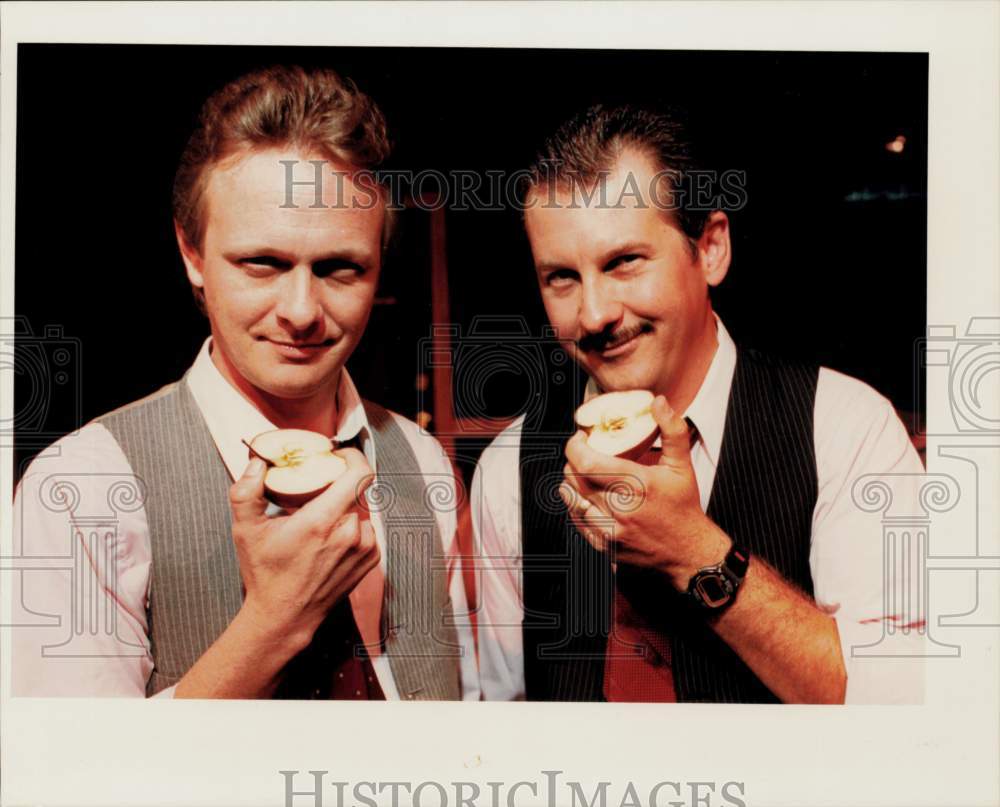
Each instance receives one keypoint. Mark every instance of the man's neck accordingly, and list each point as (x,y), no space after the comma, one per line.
(318,412)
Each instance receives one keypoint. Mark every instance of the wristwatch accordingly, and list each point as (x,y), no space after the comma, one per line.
(714,587)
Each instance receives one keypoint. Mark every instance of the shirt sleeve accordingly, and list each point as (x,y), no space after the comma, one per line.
(858,436)
(496,522)
(83,558)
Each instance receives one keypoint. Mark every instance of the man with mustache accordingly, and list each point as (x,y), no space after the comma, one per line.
(729,564)
(203,589)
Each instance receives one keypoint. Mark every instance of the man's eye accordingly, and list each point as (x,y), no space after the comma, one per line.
(622,260)
(560,278)
(338,269)
(262,264)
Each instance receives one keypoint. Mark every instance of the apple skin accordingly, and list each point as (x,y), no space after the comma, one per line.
(634,452)
(284,500)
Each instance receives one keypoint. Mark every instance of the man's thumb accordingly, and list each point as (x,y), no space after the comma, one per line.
(247,494)
(675,443)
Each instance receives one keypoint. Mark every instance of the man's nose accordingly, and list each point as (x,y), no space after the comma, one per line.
(599,306)
(298,304)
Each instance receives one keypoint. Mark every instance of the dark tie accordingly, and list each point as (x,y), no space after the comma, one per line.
(334,666)
(637,664)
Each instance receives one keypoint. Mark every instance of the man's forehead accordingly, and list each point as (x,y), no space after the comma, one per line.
(291,179)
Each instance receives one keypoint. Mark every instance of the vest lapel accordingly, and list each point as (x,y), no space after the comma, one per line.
(195,585)
(419,635)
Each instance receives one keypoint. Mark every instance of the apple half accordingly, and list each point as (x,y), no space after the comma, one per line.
(301,465)
(619,424)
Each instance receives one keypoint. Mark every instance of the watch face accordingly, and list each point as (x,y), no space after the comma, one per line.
(714,590)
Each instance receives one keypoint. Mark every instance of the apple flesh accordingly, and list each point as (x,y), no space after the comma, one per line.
(301,465)
(619,424)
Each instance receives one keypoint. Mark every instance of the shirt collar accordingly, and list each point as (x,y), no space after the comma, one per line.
(708,409)
(231,418)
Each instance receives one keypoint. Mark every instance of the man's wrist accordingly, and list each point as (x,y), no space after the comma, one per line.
(261,630)
(712,549)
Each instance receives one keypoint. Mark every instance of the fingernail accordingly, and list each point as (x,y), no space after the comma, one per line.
(256,467)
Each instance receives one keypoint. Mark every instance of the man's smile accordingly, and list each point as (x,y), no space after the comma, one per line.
(300,350)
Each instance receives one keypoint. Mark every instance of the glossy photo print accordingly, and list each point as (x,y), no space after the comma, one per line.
(586,402)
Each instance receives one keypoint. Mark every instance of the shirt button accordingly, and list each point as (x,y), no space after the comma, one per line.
(340,675)
(357,693)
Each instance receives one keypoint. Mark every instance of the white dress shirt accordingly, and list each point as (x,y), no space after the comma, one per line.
(856,432)
(101,603)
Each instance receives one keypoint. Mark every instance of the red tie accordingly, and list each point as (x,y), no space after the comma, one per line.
(637,664)
(353,677)
(335,665)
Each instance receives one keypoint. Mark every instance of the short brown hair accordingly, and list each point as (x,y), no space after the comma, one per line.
(278,106)
(591,142)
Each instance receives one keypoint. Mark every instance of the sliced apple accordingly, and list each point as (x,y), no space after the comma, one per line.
(619,423)
(301,465)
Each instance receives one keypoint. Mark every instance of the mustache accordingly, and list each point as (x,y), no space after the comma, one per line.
(607,339)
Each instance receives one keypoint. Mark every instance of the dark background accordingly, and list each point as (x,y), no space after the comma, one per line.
(829,252)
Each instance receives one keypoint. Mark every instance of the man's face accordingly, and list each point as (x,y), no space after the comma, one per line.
(288,290)
(621,286)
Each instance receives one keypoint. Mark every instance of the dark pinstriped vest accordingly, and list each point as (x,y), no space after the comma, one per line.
(195,585)
(764,494)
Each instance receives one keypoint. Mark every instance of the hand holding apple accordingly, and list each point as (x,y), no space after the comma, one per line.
(644,515)
(296,567)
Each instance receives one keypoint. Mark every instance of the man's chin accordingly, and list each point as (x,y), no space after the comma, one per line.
(298,386)
(619,379)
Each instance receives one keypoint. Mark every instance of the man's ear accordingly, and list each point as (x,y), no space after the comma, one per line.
(714,248)
(191,257)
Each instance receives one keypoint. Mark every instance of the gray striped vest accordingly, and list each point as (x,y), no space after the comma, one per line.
(763,497)
(195,585)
